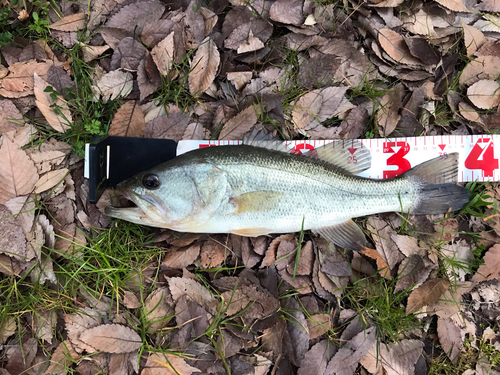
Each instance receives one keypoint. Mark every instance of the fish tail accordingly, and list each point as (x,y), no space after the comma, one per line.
(439,193)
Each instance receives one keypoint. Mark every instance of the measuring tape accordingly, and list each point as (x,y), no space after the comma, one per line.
(393,156)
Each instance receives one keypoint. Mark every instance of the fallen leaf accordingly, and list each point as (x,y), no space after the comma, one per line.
(427,293)
(394,359)
(469,113)
(289,12)
(113,85)
(8,116)
(7,328)
(456,5)
(90,53)
(395,46)
(250,45)
(80,322)
(163,55)
(128,54)
(204,67)
(112,338)
(193,290)
(20,357)
(181,257)
(158,310)
(382,265)
(473,39)
(240,124)
(169,126)
(450,338)
(239,79)
(128,121)
(60,119)
(167,364)
(306,108)
(491,268)
(382,238)
(213,254)
(319,324)
(388,116)
(484,94)
(74,22)
(316,359)
(482,67)
(20,79)
(17,172)
(133,17)
(50,179)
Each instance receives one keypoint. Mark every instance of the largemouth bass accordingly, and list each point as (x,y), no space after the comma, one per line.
(253,190)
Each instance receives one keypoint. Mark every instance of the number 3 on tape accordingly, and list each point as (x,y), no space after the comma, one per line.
(482,157)
(397,159)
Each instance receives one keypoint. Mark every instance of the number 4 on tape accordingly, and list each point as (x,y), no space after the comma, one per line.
(482,157)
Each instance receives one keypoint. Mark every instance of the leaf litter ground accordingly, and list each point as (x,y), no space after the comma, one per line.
(79,294)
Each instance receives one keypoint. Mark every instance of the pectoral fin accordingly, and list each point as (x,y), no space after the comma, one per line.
(257,201)
(347,235)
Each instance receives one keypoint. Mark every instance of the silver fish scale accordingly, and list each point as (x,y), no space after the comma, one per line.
(313,191)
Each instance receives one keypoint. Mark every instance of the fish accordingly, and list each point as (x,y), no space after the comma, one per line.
(259,188)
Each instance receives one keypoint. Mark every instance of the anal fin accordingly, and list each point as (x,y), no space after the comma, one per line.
(347,235)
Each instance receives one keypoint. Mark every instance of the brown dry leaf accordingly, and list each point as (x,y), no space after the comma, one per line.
(50,179)
(204,67)
(456,5)
(170,126)
(347,358)
(7,328)
(382,265)
(158,310)
(112,338)
(450,337)
(489,5)
(318,324)
(20,358)
(62,358)
(250,45)
(74,22)
(193,290)
(240,124)
(12,240)
(287,11)
(482,67)
(491,268)
(20,79)
(257,302)
(9,113)
(394,359)
(484,94)
(17,172)
(427,293)
(113,85)
(469,113)
(167,364)
(59,120)
(45,160)
(163,55)
(181,257)
(10,266)
(128,55)
(473,39)
(128,121)
(239,79)
(133,17)
(212,254)
(388,116)
(306,108)
(80,322)
(316,359)
(193,131)
(382,238)
(395,46)
(92,52)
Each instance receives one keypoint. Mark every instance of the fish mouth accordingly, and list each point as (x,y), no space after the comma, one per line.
(135,212)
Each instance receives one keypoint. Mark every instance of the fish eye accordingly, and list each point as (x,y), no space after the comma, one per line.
(151,181)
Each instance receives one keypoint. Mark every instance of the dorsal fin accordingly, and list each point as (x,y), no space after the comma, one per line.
(261,138)
(348,154)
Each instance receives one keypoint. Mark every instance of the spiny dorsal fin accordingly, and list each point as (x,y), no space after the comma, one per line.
(261,138)
(348,154)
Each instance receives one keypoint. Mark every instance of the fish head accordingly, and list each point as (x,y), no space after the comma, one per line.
(165,198)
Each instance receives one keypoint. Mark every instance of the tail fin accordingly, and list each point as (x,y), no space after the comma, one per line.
(439,193)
